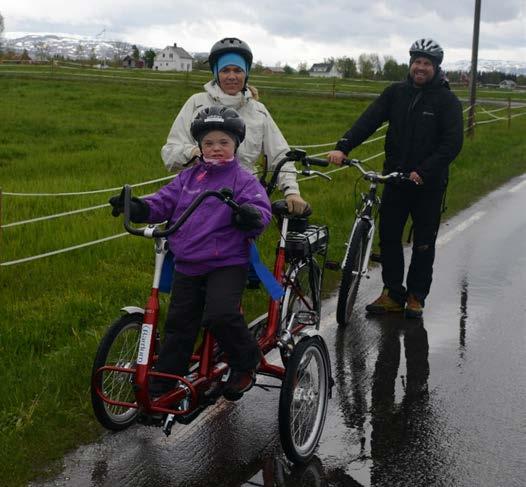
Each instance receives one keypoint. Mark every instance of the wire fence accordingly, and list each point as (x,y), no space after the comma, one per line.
(491,113)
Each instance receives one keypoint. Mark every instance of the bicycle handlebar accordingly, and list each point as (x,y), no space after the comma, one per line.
(373,175)
(297,155)
(224,194)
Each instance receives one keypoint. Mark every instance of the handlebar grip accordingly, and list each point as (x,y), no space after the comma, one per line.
(315,161)
(351,162)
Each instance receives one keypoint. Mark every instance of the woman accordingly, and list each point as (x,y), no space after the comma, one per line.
(230,60)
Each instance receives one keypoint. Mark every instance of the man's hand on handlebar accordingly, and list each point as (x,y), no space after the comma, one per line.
(296,204)
(139,210)
(247,218)
(336,157)
(415,177)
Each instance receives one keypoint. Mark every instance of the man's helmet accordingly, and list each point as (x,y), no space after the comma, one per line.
(230,44)
(428,48)
(218,118)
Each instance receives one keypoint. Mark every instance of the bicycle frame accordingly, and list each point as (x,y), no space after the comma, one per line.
(190,393)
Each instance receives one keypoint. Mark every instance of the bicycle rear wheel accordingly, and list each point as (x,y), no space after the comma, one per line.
(119,348)
(351,273)
(303,399)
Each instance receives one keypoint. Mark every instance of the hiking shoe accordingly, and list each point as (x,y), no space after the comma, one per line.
(239,382)
(414,308)
(384,304)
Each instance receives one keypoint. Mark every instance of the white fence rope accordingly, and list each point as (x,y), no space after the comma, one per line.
(61,251)
(107,190)
(87,244)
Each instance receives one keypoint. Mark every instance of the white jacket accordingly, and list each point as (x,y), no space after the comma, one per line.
(262,134)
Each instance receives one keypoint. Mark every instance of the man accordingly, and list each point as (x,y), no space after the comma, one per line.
(424,136)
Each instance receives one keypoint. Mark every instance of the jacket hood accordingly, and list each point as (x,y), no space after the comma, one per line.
(232,101)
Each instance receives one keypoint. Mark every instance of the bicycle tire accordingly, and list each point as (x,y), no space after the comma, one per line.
(118,347)
(351,276)
(304,399)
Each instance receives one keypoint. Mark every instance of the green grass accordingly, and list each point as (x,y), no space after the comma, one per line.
(75,134)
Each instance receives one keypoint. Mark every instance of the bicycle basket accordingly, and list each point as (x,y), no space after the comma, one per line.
(313,240)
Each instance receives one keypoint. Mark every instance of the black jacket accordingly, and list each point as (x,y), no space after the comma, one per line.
(425,130)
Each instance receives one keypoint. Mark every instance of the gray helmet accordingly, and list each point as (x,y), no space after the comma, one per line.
(230,44)
(218,118)
(428,48)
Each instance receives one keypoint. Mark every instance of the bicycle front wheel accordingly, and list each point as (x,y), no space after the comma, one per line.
(351,273)
(119,348)
(303,399)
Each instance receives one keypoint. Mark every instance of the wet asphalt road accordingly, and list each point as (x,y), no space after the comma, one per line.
(433,403)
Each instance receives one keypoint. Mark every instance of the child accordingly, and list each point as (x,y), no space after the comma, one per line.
(211,249)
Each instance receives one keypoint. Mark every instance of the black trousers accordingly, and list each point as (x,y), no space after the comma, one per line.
(424,206)
(212,300)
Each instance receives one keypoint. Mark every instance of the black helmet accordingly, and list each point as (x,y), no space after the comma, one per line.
(218,118)
(230,44)
(428,48)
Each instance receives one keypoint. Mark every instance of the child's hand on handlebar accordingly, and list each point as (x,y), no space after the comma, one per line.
(139,210)
(336,157)
(247,218)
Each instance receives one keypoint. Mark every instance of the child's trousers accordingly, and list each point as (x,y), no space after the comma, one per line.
(212,300)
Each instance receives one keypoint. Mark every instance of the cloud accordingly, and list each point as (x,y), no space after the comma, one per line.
(287,31)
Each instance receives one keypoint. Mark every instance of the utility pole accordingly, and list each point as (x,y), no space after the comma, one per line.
(473,77)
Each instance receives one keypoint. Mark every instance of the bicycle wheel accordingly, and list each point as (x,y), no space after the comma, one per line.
(118,348)
(303,399)
(305,295)
(351,273)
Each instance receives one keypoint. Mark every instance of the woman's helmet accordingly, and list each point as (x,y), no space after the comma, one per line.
(230,44)
(218,118)
(428,48)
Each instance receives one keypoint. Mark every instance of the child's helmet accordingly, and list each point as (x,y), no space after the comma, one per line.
(218,118)
(230,44)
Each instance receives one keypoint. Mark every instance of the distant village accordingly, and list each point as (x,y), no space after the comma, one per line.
(176,58)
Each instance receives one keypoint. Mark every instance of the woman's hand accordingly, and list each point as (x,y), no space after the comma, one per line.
(296,204)
(336,157)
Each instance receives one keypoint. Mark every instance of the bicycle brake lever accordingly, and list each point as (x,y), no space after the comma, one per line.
(310,172)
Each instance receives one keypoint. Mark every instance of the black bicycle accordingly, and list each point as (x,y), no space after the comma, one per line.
(355,263)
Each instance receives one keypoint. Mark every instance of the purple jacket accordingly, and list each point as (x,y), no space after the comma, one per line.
(208,240)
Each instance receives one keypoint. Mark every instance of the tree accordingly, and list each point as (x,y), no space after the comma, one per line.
(288,69)
(257,67)
(1,31)
(347,67)
(122,49)
(393,71)
(135,53)
(149,58)
(365,66)
(302,68)
(42,50)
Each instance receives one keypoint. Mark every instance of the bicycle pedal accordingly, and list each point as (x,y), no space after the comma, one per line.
(332,265)
(307,318)
(189,417)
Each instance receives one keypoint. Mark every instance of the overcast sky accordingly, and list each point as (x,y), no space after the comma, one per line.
(286,31)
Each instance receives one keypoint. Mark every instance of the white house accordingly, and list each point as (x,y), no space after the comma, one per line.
(508,84)
(173,58)
(324,70)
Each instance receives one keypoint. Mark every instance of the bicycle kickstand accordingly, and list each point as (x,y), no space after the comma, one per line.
(168,423)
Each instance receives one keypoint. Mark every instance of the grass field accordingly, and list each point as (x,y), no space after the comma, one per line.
(70,134)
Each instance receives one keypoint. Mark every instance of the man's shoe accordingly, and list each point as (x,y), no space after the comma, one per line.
(239,382)
(414,308)
(384,304)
